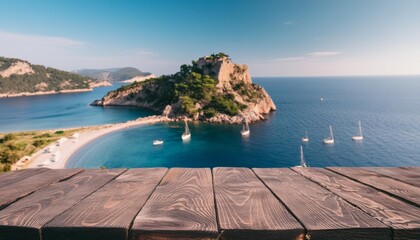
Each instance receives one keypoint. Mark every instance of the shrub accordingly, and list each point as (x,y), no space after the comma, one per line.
(9,137)
(7,156)
(209,112)
(187,105)
(6,167)
(45,135)
(225,104)
(39,142)
(59,132)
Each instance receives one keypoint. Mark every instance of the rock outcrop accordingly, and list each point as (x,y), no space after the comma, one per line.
(139,78)
(17,68)
(213,89)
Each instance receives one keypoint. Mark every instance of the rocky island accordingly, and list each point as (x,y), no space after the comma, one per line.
(21,78)
(211,89)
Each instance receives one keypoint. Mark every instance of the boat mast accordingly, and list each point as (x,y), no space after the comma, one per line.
(360,128)
(187,130)
(331,132)
(302,158)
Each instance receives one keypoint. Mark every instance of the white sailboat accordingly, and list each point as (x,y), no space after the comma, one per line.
(360,136)
(245,129)
(330,139)
(157,142)
(302,158)
(305,139)
(186,135)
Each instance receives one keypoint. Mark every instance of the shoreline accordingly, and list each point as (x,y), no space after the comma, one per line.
(68,147)
(29,94)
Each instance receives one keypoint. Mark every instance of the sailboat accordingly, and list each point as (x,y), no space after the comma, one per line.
(157,142)
(360,136)
(330,139)
(305,139)
(186,135)
(245,129)
(302,158)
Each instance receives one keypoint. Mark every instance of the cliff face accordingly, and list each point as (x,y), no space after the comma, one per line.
(17,68)
(236,79)
(213,89)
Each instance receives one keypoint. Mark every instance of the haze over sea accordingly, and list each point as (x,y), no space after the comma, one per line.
(389,108)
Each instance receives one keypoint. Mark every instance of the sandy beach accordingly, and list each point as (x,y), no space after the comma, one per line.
(56,155)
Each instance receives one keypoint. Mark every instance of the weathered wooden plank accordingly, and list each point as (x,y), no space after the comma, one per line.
(12,192)
(108,212)
(181,207)
(24,218)
(248,210)
(392,186)
(324,214)
(402,217)
(15,176)
(414,168)
(399,174)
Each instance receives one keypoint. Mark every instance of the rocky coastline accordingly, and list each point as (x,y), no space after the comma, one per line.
(213,89)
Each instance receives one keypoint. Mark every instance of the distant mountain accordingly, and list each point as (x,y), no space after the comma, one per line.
(19,77)
(113,74)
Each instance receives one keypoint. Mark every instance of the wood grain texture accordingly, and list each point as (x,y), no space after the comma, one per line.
(416,169)
(108,212)
(400,174)
(182,203)
(392,186)
(15,176)
(324,214)
(24,218)
(15,191)
(402,217)
(248,210)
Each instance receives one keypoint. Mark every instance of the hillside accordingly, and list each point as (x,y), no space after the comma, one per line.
(19,76)
(114,74)
(212,89)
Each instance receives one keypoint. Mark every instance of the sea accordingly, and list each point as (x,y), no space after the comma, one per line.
(388,108)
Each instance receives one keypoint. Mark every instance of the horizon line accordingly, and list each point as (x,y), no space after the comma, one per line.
(313,76)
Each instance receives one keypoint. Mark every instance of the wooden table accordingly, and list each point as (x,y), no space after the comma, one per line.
(202,203)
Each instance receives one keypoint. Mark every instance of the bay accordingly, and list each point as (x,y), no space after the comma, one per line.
(62,111)
(389,108)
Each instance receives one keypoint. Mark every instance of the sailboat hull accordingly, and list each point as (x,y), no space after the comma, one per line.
(328,141)
(186,136)
(360,136)
(245,133)
(157,142)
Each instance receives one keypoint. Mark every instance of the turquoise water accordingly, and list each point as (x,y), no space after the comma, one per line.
(61,111)
(389,108)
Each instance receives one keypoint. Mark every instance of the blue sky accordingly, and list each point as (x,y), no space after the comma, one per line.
(275,38)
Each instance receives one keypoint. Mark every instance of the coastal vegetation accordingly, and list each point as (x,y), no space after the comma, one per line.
(18,76)
(208,88)
(14,146)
